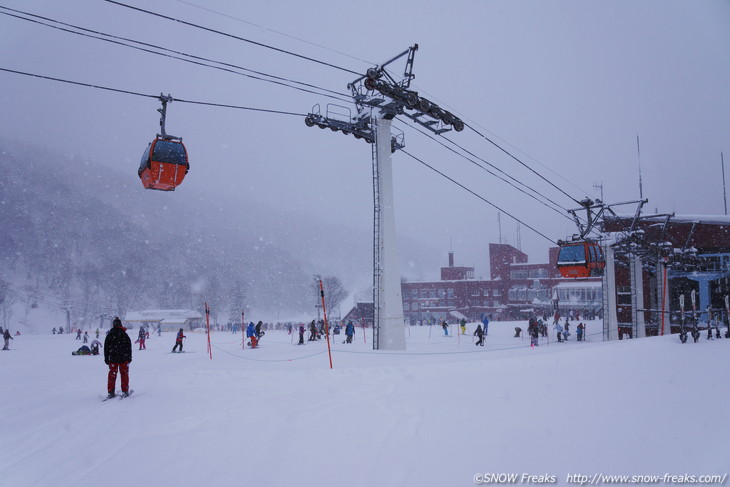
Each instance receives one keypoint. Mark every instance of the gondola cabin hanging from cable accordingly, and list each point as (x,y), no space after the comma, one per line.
(581,259)
(165,161)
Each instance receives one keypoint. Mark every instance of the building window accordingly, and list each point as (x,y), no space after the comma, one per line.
(414,293)
(518,274)
(496,292)
(414,307)
(431,293)
(538,273)
(623,295)
(450,293)
(424,293)
(442,293)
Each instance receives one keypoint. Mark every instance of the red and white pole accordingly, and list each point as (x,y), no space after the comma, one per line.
(326,325)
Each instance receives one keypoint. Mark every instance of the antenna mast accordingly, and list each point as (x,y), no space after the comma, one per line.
(724,193)
(638,151)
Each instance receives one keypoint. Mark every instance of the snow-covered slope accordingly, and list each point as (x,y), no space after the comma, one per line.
(435,415)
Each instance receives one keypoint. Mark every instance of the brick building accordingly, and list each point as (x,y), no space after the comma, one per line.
(515,290)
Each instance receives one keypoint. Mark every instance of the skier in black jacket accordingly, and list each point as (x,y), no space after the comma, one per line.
(118,356)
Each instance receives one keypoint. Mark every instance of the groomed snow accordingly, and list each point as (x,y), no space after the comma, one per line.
(435,415)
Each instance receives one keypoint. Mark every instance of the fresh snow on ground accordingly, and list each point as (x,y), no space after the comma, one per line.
(434,415)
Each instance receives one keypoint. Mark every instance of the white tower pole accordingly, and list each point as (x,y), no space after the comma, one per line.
(389,308)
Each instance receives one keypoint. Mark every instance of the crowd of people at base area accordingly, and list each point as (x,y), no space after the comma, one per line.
(537,327)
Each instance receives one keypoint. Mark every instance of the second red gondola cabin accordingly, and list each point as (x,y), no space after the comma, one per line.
(581,259)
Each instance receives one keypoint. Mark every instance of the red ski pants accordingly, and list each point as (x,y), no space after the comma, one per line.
(124,369)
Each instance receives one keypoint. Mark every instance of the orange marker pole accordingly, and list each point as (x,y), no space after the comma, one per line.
(326,325)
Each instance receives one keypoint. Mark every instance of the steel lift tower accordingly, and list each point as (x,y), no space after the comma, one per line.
(379,98)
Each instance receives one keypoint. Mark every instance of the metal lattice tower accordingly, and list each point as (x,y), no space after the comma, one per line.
(376,244)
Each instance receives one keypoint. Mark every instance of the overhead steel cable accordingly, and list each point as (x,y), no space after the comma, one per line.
(522,163)
(136,93)
(548,168)
(531,192)
(190,58)
(299,39)
(243,39)
(478,196)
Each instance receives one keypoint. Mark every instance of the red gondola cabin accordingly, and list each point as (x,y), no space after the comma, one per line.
(164,164)
(581,259)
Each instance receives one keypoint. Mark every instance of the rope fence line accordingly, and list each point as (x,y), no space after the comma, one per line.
(373,352)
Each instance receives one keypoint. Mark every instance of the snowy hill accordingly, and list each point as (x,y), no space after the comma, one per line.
(85,233)
(436,415)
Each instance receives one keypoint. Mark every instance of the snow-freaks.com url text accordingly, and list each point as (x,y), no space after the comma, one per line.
(599,479)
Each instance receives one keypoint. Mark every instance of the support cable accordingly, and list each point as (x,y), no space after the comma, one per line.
(478,196)
(529,192)
(189,58)
(208,29)
(519,161)
(136,93)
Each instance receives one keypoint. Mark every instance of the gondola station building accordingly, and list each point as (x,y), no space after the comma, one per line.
(515,290)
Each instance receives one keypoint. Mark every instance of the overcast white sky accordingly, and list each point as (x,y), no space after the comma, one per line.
(566,86)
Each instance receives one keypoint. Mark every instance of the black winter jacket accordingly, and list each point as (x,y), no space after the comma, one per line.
(117,346)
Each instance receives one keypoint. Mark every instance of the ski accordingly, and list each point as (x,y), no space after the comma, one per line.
(124,395)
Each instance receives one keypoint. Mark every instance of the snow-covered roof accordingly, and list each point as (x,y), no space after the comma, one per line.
(163,315)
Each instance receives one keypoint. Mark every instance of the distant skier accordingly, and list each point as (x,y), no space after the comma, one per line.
(559,330)
(301,335)
(259,331)
(534,331)
(86,337)
(445,326)
(118,356)
(312,331)
(141,338)
(179,340)
(54,330)
(462,324)
(518,330)
(349,332)
(479,333)
(579,331)
(7,338)
(78,334)
(251,334)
